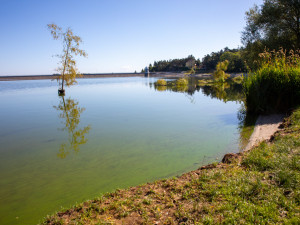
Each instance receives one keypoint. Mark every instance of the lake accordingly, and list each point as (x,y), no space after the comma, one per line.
(106,133)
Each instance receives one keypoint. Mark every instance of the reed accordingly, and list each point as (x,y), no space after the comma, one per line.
(275,85)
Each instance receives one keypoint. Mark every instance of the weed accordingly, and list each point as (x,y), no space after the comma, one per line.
(147,202)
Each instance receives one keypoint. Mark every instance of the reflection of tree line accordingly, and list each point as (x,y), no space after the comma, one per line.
(70,111)
(227,91)
(224,91)
(70,114)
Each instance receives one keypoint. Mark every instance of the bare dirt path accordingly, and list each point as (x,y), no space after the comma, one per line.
(265,127)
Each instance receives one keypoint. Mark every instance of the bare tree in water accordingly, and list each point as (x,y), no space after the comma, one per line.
(67,64)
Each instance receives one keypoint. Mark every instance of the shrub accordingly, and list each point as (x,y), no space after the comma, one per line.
(161,82)
(182,82)
(275,86)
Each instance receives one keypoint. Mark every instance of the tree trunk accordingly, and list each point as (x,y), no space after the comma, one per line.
(65,63)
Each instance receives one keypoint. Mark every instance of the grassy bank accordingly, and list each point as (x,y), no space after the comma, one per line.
(257,187)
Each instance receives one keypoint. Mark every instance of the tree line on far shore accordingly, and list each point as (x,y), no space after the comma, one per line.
(207,64)
(274,25)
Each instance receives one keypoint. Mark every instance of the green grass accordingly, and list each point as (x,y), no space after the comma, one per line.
(262,187)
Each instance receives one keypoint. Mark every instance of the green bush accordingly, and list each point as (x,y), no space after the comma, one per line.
(275,86)
(161,82)
(182,82)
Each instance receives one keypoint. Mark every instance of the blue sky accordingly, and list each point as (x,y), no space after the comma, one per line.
(118,35)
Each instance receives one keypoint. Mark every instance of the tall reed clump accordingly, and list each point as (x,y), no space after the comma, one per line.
(275,85)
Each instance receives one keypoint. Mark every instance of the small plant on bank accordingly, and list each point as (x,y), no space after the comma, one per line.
(275,86)
(161,82)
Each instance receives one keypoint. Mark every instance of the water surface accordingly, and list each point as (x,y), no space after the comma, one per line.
(106,133)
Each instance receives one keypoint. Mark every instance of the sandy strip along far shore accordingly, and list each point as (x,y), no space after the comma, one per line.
(100,75)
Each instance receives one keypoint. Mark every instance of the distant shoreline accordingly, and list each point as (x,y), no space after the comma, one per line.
(96,75)
(53,77)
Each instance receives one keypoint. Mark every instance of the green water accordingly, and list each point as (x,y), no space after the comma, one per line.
(104,134)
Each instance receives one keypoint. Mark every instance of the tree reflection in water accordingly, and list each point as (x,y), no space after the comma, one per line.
(226,91)
(70,112)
